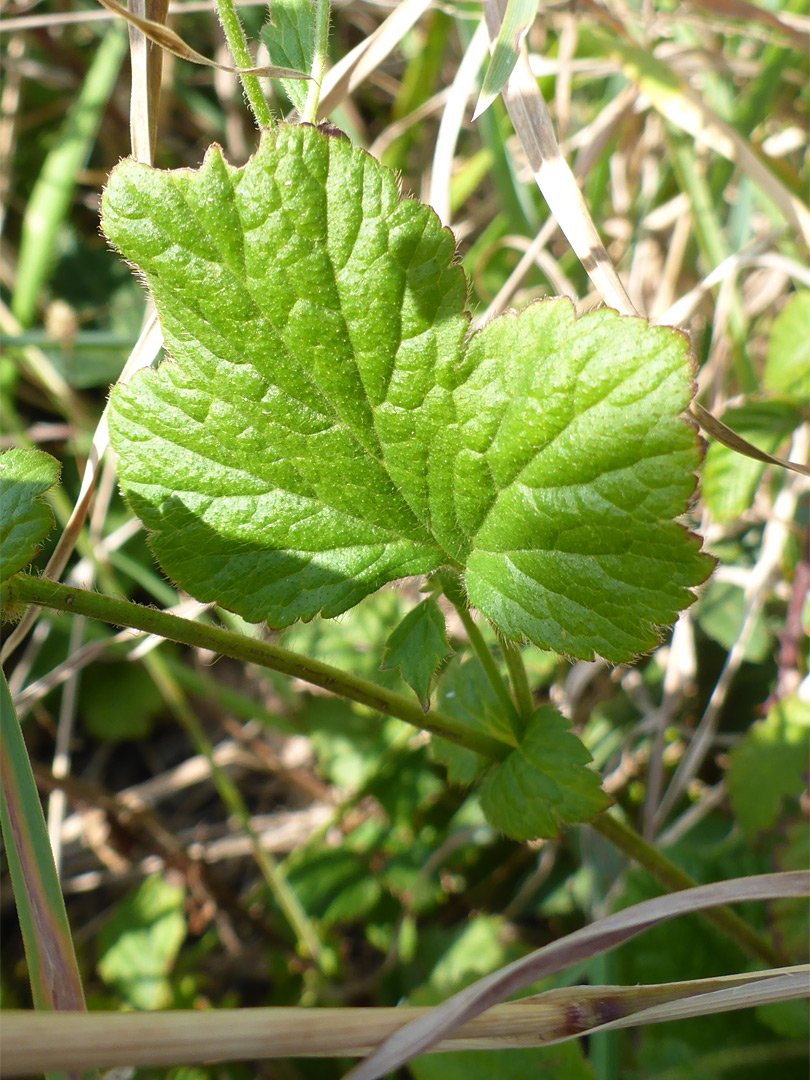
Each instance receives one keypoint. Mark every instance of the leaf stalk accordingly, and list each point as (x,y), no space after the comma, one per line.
(24,589)
(237,43)
(318,61)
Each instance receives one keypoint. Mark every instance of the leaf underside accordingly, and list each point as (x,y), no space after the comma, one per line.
(328,423)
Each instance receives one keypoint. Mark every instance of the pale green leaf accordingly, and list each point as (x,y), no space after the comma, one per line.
(719,614)
(290,41)
(327,425)
(25,520)
(787,369)
(517,19)
(769,765)
(730,480)
(140,942)
(417,646)
(542,783)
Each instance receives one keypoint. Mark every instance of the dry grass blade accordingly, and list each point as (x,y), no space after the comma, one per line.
(718,430)
(146,60)
(357,65)
(461,90)
(772,987)
(684,108)
(170,41)
(192,1037)
(752,13)
(553,175)
(592,940)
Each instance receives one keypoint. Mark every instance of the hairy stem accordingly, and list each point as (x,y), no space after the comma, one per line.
(23,589)
(517,675)
(452,590)
(235,36)
(318,60)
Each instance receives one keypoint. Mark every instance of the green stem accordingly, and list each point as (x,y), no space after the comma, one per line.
(237,43)
(23,589)
(673,879)
(308,943)
(318,60)
(517,675)
(454,593)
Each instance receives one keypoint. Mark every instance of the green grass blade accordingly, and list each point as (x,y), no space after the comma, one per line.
(52,967)
(517,19)
(51,198)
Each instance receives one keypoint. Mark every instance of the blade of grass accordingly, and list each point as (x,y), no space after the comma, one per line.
(356,66)
(553,175)
(415,1038)
(52,194)
(450,125)
(513,197)
(191,1037)
(517,18)
(52,967)
(709,234)
(146,65)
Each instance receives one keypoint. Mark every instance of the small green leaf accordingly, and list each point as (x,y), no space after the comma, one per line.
(787,369)
(769,765)
(290,41)
(417,647)
(328,426)
(517,19)
(729,479)
(542,783)
(140,942)
(466,694)
(25,520)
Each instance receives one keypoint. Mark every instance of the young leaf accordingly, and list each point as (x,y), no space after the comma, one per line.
(787,369)
(25,520)
(289,38)
(543,782)
(140,942)
(769,765)
(417,647)
(326,428)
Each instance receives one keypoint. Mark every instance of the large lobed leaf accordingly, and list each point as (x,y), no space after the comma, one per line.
(329,425)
